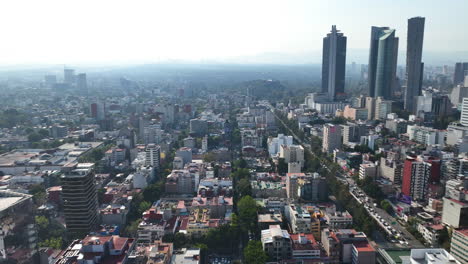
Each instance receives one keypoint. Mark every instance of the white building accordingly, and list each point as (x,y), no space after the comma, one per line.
(275,143)
(367,170)
(153,155)
(459,246)
(426,135)
(431,255)
(464,112)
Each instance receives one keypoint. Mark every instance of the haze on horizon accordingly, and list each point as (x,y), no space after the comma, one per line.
(86,31)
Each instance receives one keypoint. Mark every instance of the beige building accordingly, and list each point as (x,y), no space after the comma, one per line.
(331,138)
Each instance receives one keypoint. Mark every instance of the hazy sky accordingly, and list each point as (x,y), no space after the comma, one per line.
(62,31)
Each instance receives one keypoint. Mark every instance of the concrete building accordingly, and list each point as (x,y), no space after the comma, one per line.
(355,113)
(309,187)
(459,245)
(185,154)
(464,112)
(455,213)
(363,253)
(304,247)
(347,246)
(276,242)
(382,108)
(458,93)
(79,195)
(274,144)
(397,126)
(426,135)
(294,167)
(331,138)
(391,169)
(339,220)
(367,170)
(153,156)
(198,127)
(414,65)
(432,255)
(292,153)
(299,218)
(182,182)
(57,131)
(333,64)
(418,173)
(352,132)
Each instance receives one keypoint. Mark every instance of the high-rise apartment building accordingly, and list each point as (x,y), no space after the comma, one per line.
(79,195)
(464,112)
(418,173)
(153,155)
(382,62)
(459,245)
(333,63)
(292,153)
(414,65)
(331,137)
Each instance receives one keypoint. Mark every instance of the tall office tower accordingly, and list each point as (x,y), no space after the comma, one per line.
(153,155)
(461,70)
(331,137)
(79,197)
(69,76)
(414,66)
(382,62)
(333,63)
(81,83)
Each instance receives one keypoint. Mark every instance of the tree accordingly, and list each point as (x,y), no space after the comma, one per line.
(386,206)
(53,242)
(254,254)
(247,210)
(153,192)
(180,240)
(209,157)
(143,207)
(244,188)
(282,166)
(240,163)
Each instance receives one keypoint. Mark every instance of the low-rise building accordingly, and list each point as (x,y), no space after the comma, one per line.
(276,243)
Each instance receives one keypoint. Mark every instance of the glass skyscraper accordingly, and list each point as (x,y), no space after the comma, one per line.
(414,66)
(382,62)
(333,63)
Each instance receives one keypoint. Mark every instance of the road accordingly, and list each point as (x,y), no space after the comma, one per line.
(380,216)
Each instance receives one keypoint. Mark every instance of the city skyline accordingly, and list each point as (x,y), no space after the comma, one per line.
(207,30)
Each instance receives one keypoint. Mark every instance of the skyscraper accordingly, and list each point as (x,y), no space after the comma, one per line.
(461,70)
(414,66)
(333,63)
(81,83)
(79,197)
(382,62)
(68,76)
